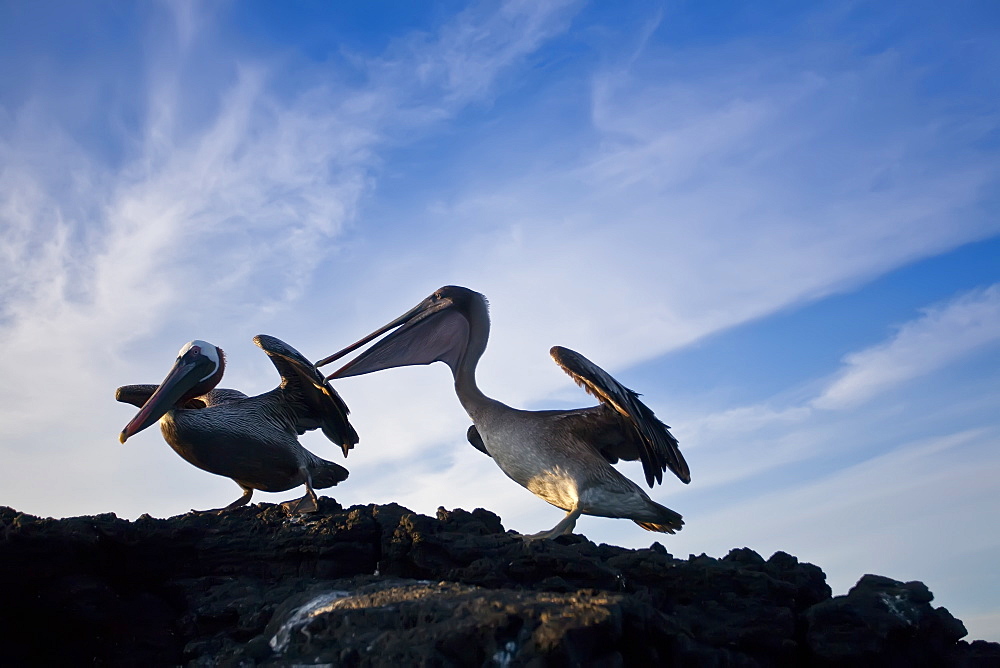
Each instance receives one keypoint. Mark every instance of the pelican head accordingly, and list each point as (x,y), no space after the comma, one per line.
(435,330)
(198,369)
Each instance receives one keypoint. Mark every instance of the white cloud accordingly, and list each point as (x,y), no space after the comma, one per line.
(482,42)
(944,334)
(425,78)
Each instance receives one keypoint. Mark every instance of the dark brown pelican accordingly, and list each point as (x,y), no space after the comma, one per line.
(564,457)
(253,440)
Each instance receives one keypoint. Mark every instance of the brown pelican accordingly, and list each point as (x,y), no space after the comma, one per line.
(564,457)
(253,440)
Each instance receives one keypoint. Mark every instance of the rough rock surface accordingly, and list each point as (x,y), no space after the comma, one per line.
(381,585)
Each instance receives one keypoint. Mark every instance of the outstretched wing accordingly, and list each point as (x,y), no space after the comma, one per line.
(315,401)
(138,395)
(653,442)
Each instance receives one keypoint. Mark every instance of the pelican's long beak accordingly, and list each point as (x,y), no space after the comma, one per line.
(431,331)
(184,375)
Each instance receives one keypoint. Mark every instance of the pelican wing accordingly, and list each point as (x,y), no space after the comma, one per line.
(315,401)
(604,428)
(651,441)
(476,439)
(138,395)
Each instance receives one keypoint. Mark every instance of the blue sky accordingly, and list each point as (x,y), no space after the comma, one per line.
(776,221)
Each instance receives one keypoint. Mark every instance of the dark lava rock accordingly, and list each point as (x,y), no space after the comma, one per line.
(876,622)
(381,585)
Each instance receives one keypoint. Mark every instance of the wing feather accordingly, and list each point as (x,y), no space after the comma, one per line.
(138,395)
(606,429)
(316,402)
(654,445)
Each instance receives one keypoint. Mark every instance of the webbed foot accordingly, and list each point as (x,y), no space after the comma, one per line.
(307,504)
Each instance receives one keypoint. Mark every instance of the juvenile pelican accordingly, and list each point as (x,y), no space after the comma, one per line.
(564,457)
(253,440)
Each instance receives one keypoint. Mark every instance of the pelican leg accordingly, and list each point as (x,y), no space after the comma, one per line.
(242,501)
(308,503)
(565,526)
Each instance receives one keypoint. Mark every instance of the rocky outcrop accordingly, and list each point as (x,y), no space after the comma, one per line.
(381,585)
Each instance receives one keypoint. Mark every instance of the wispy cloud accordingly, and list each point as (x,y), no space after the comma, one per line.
(700,203)
(901,495)
(943,334)
(466,57)
(424,78)
(746,442)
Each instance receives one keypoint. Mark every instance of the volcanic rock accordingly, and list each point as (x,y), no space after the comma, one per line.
(381,585)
